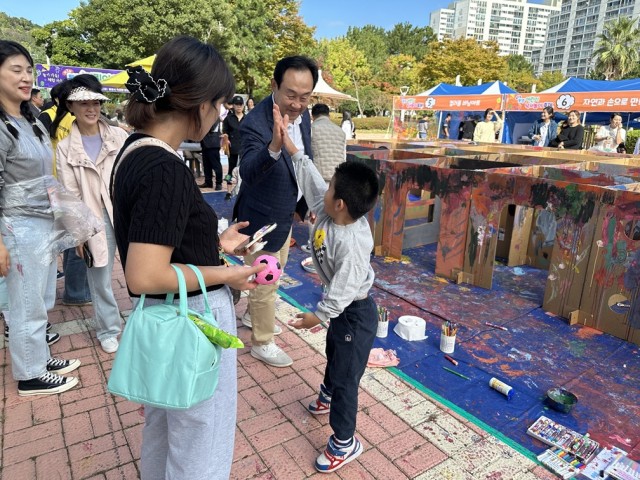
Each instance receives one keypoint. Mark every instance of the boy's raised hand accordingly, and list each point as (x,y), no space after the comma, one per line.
(305,321)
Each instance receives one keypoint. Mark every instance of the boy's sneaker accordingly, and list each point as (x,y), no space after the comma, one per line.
(60,367)
(335,457)
(46,384)
(322,404)
(51,337)
(271,354)
(246,321)
(228,178)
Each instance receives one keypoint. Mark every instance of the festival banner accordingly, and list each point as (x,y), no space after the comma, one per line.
(628,101)
(47,76)
(468,103)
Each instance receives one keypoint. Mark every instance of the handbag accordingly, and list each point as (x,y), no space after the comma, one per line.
(164,360)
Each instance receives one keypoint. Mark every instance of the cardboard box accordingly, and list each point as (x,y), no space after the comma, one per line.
(505,231)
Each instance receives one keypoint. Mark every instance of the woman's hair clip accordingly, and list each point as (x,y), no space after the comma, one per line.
(143,87)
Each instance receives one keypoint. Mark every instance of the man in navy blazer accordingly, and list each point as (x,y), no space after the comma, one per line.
(269,191)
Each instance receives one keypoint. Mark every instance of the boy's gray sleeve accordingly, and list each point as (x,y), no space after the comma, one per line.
(310,181)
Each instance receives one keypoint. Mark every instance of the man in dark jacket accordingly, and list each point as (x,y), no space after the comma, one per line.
(269,191)
(211,157)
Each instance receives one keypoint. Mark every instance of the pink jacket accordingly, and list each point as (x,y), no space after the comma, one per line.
(89,181)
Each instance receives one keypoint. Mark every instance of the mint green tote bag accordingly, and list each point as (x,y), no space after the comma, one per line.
(164,360)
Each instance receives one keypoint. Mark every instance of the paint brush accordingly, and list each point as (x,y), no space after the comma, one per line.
(493,325)
(452,360)
(456,373)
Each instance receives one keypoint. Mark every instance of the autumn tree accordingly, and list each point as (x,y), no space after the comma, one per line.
(549,79)
(465,57)
(261,33)
(347,66)
(400,70)
(519,75)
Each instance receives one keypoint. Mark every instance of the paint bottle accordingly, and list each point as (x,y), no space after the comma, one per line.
(502,387)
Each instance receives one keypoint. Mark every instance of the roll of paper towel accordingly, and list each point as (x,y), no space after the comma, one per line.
(411,328)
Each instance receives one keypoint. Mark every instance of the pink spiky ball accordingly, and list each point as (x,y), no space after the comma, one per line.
(272,273)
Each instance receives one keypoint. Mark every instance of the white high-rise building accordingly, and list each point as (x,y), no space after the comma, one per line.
(573,33)
(441,22)
(517,26)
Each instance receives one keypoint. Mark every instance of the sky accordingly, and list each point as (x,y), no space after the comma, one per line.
(331,17)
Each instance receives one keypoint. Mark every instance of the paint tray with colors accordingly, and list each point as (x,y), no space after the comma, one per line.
(625,469)
(552,433)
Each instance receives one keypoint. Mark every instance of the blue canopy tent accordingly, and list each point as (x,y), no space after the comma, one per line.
(489,88)
(518,123)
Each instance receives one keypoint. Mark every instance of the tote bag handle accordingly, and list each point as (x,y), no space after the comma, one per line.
(182,291)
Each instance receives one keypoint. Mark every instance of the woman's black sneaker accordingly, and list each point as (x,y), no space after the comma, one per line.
(60,367)
(47,384)
(51,337)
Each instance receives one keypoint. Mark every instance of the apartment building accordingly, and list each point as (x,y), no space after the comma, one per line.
(517,26)
(441,22)
(573,34)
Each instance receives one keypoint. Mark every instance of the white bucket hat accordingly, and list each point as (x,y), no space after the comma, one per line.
(83,94)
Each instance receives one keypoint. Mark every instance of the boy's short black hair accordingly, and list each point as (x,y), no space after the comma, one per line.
(357,185)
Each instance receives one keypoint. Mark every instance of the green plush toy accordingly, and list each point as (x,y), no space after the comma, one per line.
(216,335)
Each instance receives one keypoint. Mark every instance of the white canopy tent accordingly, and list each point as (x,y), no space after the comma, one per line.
(323,90)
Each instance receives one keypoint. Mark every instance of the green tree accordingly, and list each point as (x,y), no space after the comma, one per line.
(374,101)
(519,74)
(121,31)
(21,30)
(617,52)
(65,43)
(345,65)
(409,40)
(549,79)
(400,70)
(372,41)
(465,57)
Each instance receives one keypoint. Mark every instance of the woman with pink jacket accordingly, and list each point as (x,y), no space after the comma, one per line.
(85,160)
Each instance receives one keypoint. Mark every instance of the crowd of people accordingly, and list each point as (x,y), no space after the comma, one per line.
(134,192)
(545,132)
(141,198)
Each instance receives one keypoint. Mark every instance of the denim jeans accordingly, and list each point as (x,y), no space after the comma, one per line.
(32,291)
(196,443)
(349,341)
(76,285)
(105,307)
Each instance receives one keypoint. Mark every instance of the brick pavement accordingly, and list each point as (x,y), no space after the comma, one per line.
(86,433)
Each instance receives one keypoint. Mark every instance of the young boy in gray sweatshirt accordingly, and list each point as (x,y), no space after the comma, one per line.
(342,245)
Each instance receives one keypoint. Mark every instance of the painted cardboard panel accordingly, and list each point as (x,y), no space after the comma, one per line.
(617,245)
(522,223)
(542,238)
(473,190)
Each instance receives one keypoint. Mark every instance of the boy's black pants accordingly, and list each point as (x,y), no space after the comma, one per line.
(349,341)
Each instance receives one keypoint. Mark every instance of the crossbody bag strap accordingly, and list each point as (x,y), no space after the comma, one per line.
(142,142)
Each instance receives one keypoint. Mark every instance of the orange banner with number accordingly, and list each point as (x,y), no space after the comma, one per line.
(581,101)
(448,102)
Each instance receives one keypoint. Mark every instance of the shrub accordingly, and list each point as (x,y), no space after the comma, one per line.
(632,138)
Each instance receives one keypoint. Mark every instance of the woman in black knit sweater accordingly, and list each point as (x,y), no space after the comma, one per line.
(571,135)
(161,218)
